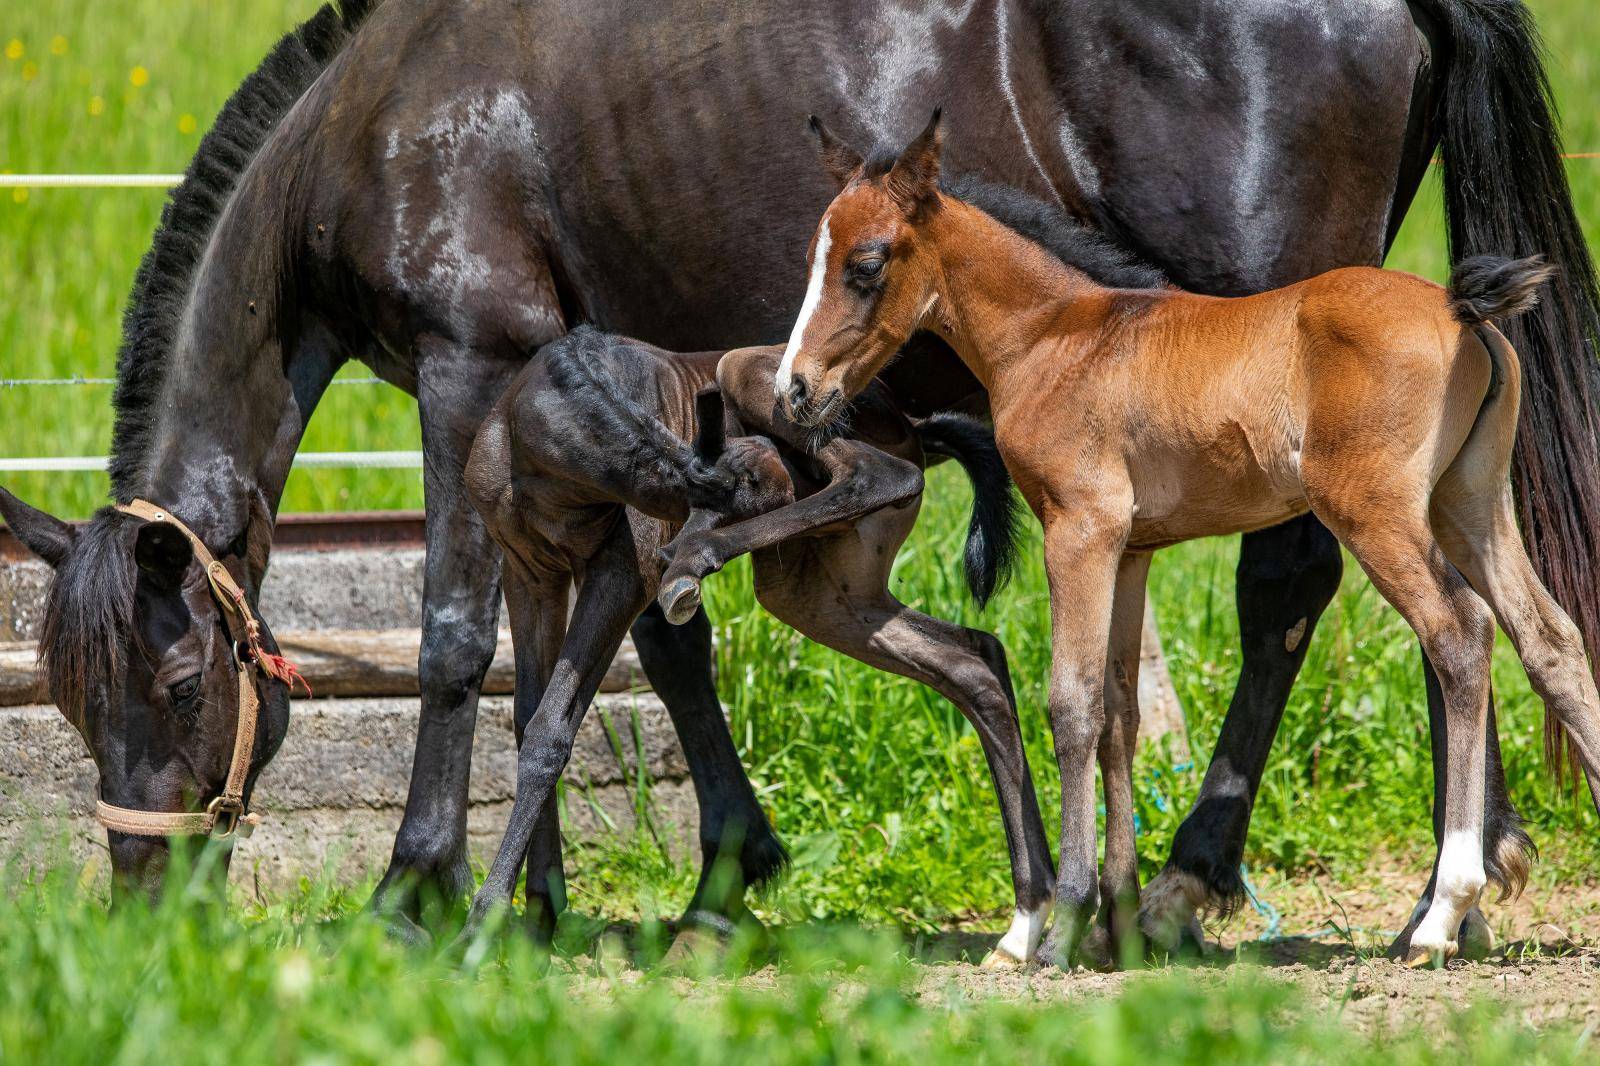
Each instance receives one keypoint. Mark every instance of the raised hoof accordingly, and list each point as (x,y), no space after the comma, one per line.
(680,599)
(1001,959)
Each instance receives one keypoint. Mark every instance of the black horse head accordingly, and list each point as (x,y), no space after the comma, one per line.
(138,657)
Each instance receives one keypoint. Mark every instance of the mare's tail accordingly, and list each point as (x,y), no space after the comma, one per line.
(1506,193)
(992,532)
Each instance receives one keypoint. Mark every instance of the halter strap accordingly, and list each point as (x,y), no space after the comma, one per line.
(225,814)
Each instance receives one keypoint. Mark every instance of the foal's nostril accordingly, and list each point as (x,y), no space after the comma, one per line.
(797,395)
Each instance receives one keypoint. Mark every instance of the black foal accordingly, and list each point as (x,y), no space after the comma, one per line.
(581,472)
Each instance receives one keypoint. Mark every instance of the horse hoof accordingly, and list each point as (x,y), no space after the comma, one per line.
(1422,956)
(695,947)
(1096,950)
(1001,959)
(680,600)
(1476,939)
(403,930)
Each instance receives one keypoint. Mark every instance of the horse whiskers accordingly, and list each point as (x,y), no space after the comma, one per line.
(830,427)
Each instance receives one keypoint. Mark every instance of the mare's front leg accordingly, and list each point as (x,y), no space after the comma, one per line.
(1082,549)
(610,595)
(460,607)
(861,479)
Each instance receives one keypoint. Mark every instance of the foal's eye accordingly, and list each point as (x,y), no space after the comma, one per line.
(868,269)
(183,691)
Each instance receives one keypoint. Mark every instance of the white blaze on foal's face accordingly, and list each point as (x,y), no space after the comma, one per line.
(808,307)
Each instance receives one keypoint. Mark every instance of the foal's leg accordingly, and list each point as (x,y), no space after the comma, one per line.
(1480,535)
(537,605)
(862,479)
(1119,874)
(834,589)
(610,595)
(1082,551)
(1407,565)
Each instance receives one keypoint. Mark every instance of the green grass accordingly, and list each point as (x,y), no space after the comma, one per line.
(878,785)
(310,980)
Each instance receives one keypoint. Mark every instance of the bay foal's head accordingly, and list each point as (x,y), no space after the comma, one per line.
(871,279)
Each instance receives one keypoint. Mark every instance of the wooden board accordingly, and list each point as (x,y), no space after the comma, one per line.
(336,662)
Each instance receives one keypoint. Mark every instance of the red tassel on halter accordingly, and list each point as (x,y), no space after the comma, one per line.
(282,669)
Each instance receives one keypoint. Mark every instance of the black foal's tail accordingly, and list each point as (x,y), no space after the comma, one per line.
(1506,194)
(1491,288)
(992,533)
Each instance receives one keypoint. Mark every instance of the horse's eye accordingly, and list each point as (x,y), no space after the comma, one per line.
(867,269)
(184,691)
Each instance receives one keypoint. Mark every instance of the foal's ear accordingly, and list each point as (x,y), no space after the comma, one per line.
(710,435)
(839,158)
(163,552)
(913,181)
(45,535)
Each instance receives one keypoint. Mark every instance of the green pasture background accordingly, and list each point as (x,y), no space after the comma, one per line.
(878,785)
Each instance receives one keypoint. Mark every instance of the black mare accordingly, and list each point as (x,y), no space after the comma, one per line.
(437,189)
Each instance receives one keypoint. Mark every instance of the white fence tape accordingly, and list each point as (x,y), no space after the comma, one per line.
(89,181)
(369,460)
(17,383)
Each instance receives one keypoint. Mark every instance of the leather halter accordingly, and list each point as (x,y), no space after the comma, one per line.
(226,814)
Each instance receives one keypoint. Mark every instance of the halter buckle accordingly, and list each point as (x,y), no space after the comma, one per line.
(227,817)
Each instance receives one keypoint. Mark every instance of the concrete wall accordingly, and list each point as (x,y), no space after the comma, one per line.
(335,792)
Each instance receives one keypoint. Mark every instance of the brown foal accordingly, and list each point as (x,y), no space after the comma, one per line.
(1132,420)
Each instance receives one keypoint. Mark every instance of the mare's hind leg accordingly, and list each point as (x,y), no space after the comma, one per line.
(1480,534)
(677,660)
(1409,568)
(834,589)
(610,595)
(1286,577)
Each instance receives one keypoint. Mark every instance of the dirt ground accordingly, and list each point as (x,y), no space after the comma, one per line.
(1330,943)
(1545,967)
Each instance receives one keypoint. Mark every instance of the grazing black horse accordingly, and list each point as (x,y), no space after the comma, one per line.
(437,189)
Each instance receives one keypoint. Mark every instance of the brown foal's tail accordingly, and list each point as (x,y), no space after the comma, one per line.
(1491,288)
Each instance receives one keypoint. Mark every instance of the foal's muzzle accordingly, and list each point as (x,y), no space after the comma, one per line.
(809,410)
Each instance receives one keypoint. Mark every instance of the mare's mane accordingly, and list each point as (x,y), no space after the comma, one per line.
(88,618)
(161,286)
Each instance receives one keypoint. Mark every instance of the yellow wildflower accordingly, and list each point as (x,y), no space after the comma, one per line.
(30,70)
(58,45)
(19,196)
(14,49)
(186,124)
(97,105)
(139,77)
